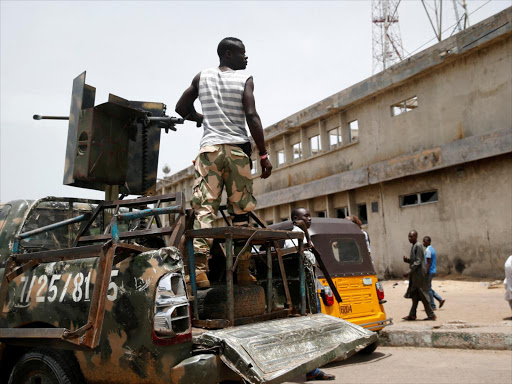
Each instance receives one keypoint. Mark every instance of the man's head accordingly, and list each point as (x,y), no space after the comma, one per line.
(301,214)
(413,237)
(231,53)
(426,241)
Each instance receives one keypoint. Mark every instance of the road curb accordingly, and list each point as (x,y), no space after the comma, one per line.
(490,338)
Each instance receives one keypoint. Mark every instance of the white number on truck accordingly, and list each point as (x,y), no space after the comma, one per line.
(113,286)
(52,289)
(44,280)
(81,286)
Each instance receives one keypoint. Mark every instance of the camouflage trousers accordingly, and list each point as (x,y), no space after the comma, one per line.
(216,167)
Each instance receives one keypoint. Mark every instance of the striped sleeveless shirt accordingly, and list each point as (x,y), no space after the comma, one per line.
(220,94)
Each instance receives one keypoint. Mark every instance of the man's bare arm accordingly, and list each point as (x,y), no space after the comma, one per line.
(254,123)
(185,105)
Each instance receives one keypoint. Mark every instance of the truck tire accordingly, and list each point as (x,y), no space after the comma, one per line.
(369,349)
(249,301)
(46,366)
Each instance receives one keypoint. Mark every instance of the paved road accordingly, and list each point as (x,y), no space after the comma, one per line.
(469,301)
(435,365)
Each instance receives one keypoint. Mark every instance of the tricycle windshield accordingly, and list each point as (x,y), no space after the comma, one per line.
(346,250)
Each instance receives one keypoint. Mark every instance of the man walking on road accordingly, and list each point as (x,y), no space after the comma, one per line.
(431,268)
(417,289)
(227,102)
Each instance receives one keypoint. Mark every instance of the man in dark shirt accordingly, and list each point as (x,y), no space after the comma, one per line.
(418,288)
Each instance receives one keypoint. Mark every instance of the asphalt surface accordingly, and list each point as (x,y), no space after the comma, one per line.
(394,365)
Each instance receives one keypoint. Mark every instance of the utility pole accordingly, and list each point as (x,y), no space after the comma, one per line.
(386,38)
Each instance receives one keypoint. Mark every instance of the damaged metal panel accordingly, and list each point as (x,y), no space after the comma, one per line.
(111,136)
(278,350)
(204,369)
(103,135)
(82,97)
(143,153)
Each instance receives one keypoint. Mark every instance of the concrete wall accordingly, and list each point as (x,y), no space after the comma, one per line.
(470,96)
(470,225)
(458,141)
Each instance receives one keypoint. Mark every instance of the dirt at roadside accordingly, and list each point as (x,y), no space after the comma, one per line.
(472,302)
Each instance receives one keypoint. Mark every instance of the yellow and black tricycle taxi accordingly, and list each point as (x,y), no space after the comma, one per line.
(344,252)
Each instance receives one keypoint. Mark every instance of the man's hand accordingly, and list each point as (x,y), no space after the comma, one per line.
(407,274)
(199,119)
(406,259)
(195,116)
(266,168)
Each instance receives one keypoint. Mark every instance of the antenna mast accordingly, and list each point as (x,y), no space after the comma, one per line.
(386,38)
(434,11)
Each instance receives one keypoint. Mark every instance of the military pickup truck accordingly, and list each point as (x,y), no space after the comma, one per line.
(94,291)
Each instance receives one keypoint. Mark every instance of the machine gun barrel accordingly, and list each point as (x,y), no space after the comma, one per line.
(164,122)
(39,117)
(167,119)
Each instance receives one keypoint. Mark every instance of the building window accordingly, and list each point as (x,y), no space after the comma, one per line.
(418,198)
(342,213)
(320,214)
(354,131)
(428,197)
(334,137)
(404,106)
(375,207)
(281,158)
(254,169)
(314,145)
(297,151)
(362,213)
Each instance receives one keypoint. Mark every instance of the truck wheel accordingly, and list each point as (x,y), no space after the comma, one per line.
(46,366)
(369,349)
(249,301)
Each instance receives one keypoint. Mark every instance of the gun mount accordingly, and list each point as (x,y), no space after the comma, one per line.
(113,144)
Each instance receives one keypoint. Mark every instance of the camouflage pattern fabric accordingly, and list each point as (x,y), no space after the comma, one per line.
(217,166)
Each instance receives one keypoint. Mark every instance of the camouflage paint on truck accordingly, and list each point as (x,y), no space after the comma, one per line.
(11,217)
(58,294)
(144,333)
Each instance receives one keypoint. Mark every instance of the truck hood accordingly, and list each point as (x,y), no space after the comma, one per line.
(279,350)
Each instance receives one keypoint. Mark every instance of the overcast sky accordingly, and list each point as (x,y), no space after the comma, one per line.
(299,53)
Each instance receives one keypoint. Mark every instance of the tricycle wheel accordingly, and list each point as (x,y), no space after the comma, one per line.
(46,366)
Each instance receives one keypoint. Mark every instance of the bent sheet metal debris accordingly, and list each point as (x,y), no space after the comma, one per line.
(278,350)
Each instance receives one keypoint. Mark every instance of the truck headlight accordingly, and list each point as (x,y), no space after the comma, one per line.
(172,314)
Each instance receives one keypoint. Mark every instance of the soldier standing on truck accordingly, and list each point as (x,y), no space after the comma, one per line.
(227,102)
